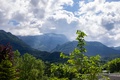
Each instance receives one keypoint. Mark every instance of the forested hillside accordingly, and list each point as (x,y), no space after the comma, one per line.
(93,48)
(6,38)
(45,42)
(78,66)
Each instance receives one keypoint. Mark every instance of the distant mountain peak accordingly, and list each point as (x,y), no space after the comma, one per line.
(2,31)
(54,35)
(93,48)
(15,42)
(45,42)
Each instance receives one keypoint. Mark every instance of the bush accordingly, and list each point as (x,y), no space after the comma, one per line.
(113,65)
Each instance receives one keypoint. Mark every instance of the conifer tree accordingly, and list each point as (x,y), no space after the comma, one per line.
(7,70)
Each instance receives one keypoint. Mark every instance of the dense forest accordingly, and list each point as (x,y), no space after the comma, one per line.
(76,66)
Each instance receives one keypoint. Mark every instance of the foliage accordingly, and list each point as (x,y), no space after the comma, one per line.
(62,71)
(7,70)
(6,53)
(29,67)
(113,65)
(78,65)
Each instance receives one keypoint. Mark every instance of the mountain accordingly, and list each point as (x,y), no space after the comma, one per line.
(15,42)
(45,42)
(93,48)
(116,48)
(22,47)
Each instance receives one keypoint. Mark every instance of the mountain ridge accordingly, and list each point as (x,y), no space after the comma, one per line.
(93,48)
(45,42)
(22,47)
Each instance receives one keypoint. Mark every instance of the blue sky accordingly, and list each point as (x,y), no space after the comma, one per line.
(99,19)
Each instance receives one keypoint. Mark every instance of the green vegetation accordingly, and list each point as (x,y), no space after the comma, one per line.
(7,70)
(29,67)
(113,65)
(76,66)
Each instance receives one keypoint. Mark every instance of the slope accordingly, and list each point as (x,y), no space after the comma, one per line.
(45,42)
(93,48)
(22,47)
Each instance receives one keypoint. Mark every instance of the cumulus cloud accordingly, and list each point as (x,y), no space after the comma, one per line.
(28,13)
(99,19)
(60,26)
(2,17)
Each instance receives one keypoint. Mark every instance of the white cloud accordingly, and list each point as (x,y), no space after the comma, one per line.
(98,18)
(61,26)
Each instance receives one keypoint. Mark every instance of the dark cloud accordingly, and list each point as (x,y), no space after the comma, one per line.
(34,2)
(19,17)
(38,8)
(2,17)
(107,25)
(39,13)
(109,20)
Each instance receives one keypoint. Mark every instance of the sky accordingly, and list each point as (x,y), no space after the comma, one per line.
(99,19)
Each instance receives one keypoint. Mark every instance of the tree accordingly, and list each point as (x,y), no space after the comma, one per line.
(7,70)
(78,65)
(6,53)
(113,65)
(29,67)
